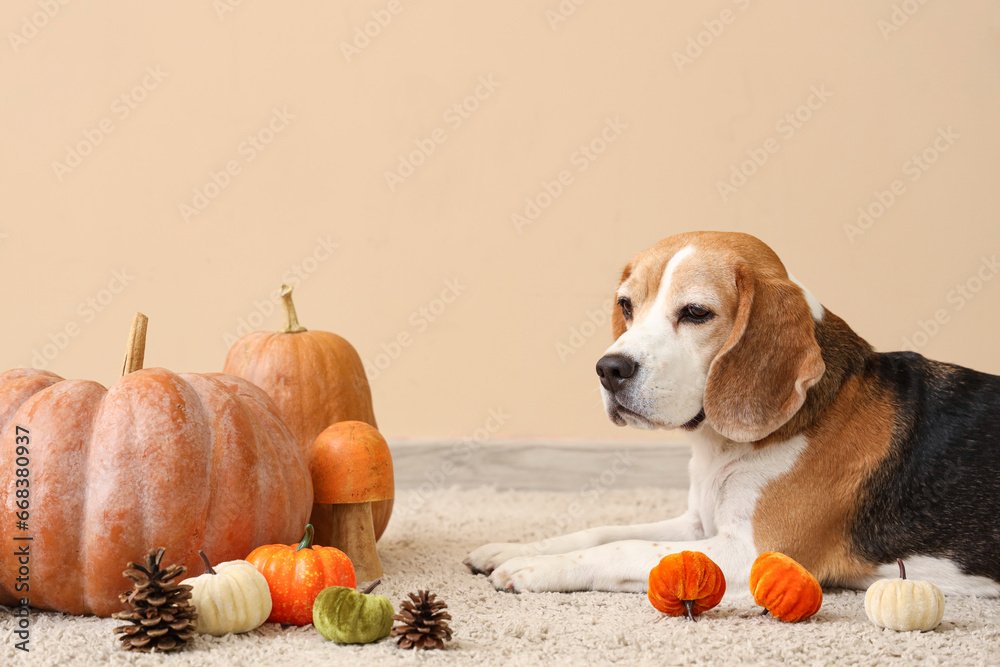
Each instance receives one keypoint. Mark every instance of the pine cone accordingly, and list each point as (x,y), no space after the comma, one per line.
(422,623)
(162,615)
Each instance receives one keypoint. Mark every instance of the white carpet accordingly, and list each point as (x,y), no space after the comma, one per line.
(424,548)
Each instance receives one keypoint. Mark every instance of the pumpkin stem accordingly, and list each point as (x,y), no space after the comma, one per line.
(688,605)
(136,349)
(291,318)
(372,586)
(902,570)
(307,538)
(208,565)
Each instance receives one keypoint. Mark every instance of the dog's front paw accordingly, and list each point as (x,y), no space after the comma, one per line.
(534,573)
(488,557)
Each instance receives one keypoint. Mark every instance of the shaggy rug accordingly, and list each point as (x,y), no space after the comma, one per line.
(423,548)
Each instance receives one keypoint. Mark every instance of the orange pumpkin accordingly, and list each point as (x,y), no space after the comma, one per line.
(157,460)
(316,379)
(297,573)
(686,582)
(784,588)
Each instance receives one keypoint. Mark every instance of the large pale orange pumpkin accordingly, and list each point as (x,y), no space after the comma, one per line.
(159,459)
(316,378)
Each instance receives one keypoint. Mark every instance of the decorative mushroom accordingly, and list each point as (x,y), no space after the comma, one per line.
(351,469)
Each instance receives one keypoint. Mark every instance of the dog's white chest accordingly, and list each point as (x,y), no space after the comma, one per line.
(727,479)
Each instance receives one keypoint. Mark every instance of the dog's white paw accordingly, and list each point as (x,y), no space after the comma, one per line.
(488,557)
(534,573)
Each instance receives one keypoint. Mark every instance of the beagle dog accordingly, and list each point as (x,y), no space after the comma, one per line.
(806,440)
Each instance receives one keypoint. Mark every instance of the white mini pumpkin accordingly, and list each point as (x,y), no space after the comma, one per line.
(231,597)
(904,605)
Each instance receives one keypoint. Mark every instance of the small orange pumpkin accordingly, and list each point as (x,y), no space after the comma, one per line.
(784,588)
(296,575)
(687,582)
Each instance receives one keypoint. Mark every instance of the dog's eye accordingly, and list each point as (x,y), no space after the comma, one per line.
(626,305)
(696,314)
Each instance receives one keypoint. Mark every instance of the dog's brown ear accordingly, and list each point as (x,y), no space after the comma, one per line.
(759,378)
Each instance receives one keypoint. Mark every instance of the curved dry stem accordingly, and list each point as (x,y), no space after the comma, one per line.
(136,348)
(291,317)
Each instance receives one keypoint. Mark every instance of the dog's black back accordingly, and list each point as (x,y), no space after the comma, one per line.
(938,492)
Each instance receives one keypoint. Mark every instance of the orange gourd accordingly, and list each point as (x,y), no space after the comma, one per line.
(316,379)
(159,459)
(686,582)
(297,573)
(784,588)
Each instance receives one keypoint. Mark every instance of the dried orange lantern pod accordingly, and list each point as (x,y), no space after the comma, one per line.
(784,588)
(688,582)
(352,472)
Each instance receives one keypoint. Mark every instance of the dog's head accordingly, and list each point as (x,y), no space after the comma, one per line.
(709,327)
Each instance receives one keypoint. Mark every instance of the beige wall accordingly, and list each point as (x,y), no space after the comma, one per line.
(161,97)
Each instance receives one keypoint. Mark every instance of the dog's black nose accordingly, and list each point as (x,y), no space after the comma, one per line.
(614,369)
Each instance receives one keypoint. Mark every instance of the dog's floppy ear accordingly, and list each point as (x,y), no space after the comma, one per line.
(759,378)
